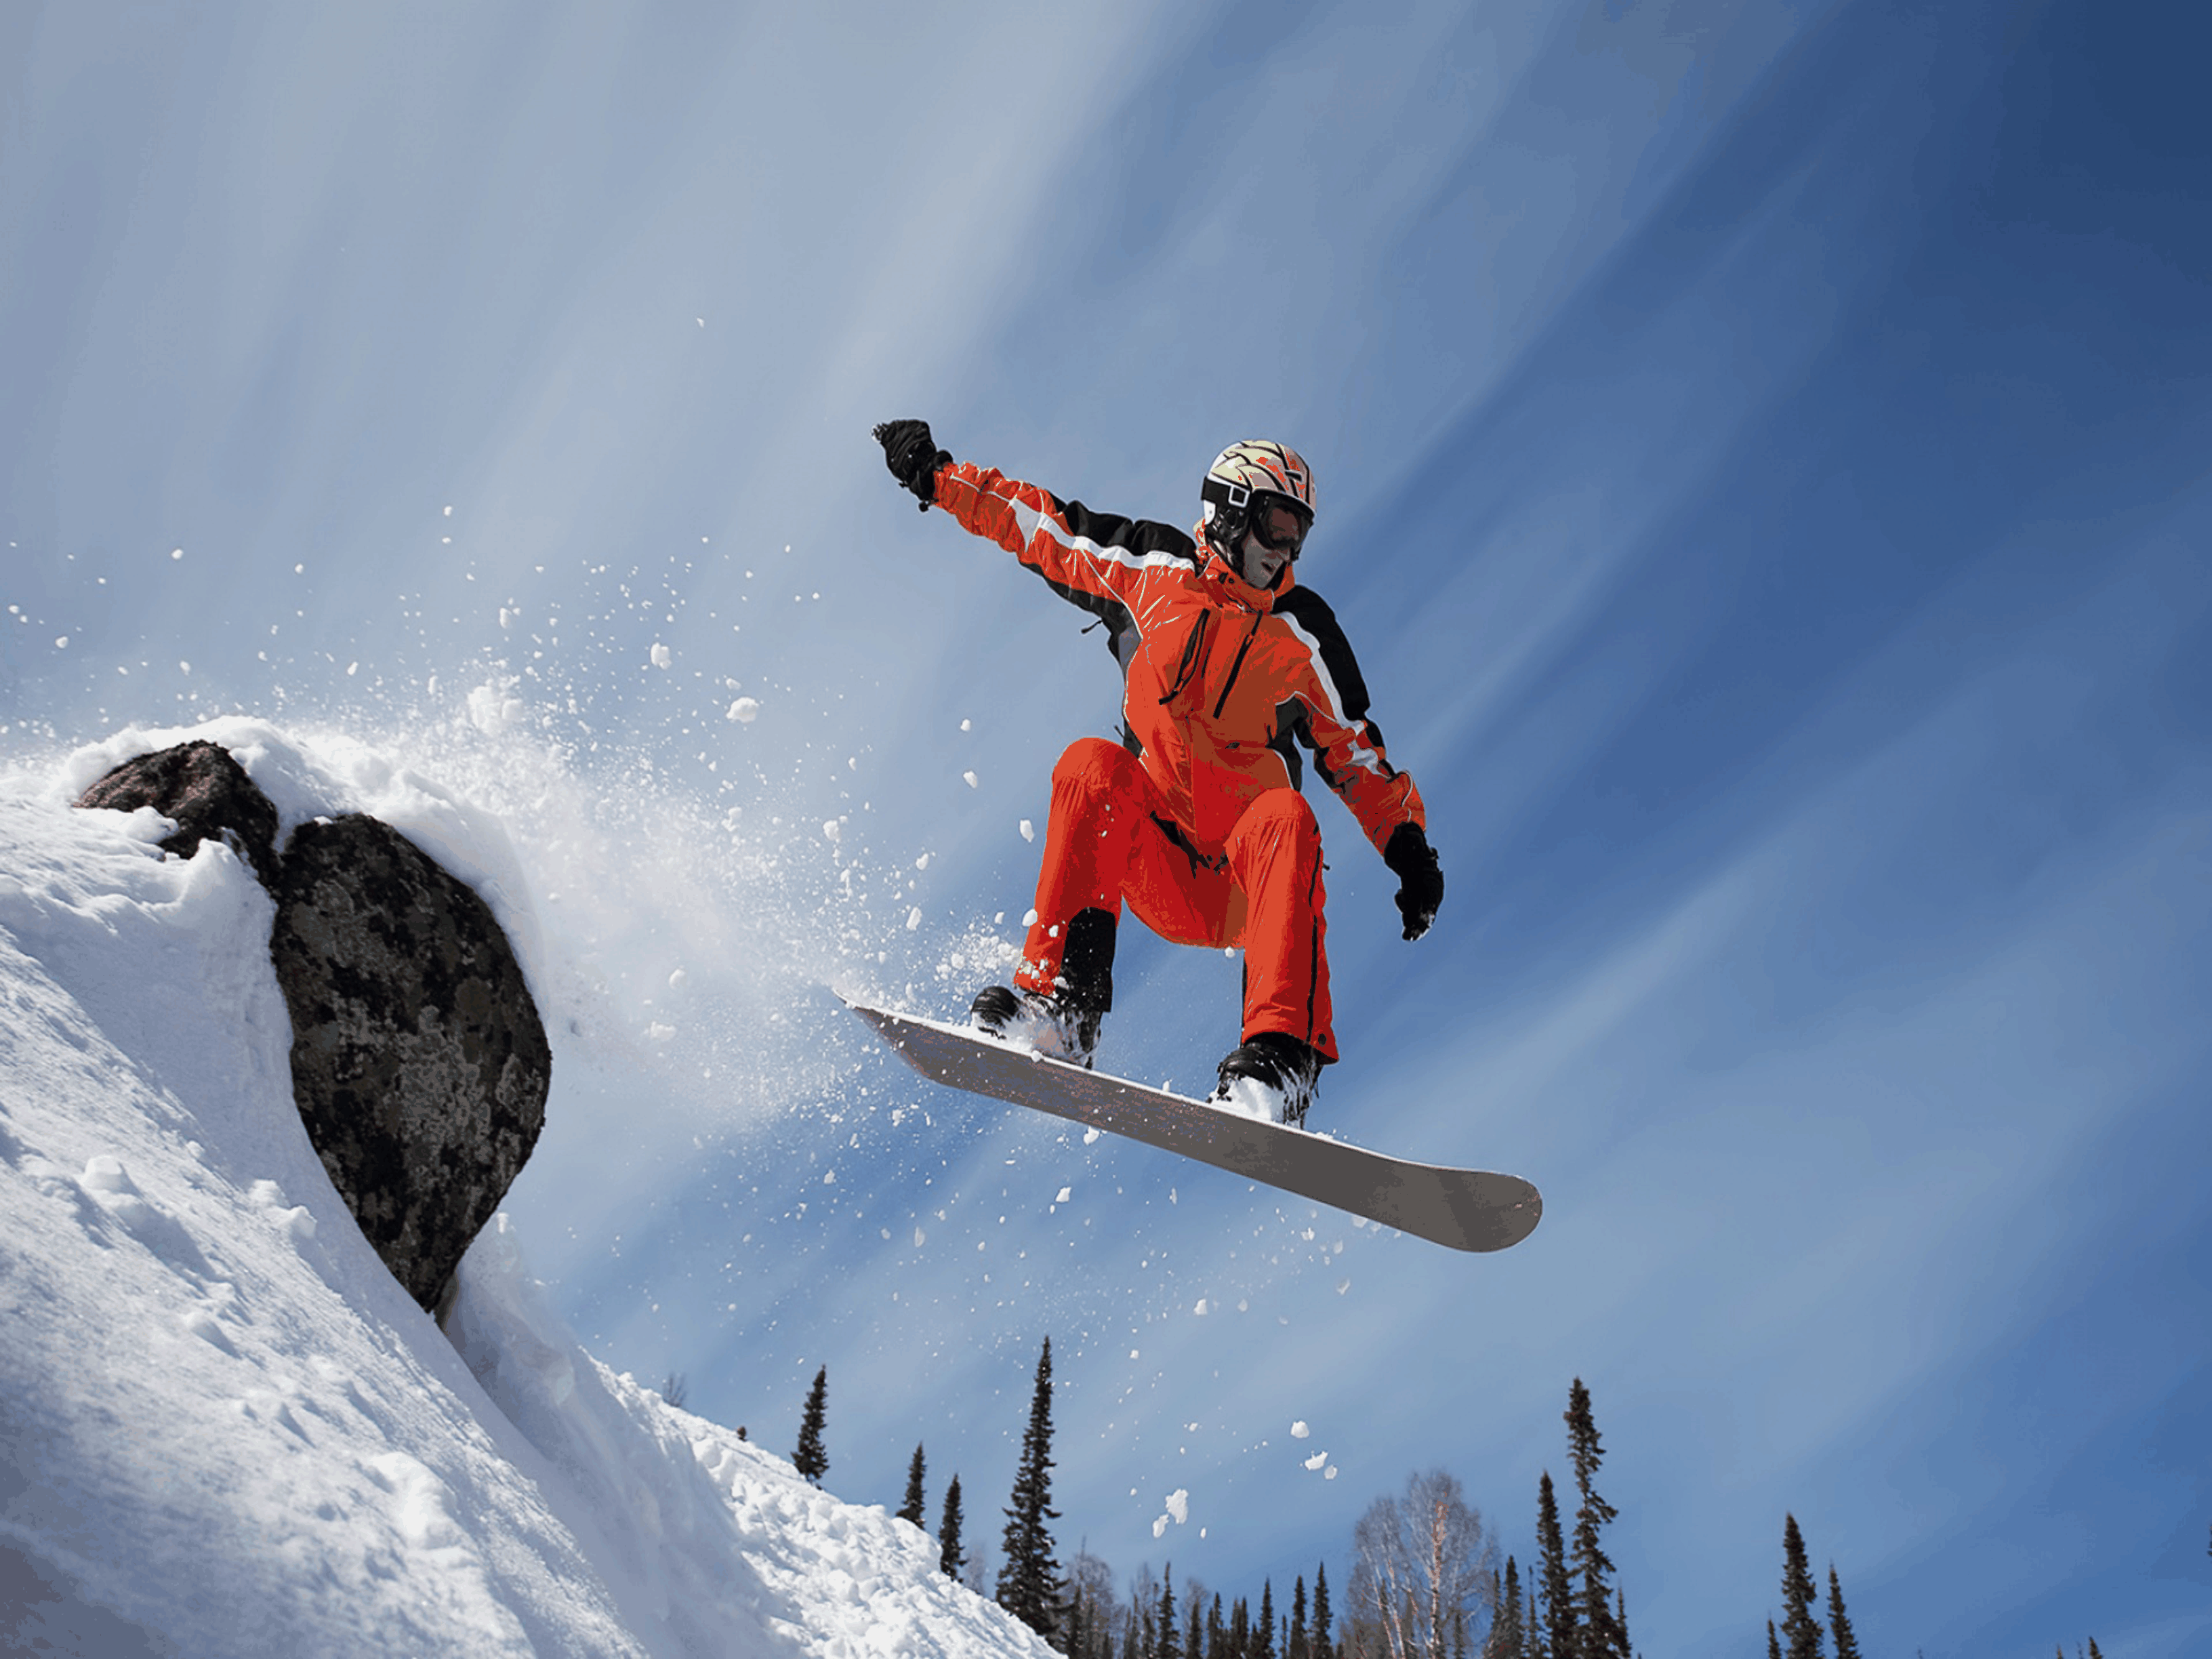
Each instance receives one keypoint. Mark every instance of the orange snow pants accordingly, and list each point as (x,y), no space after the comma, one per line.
(1108,839)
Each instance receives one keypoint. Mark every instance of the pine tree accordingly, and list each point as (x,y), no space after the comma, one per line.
(1294,1645)
(911,1510)
(2094,1653)
(1026,1581)
(809,1459)
(1773,1642)
(1560,1637)
(1799,1627)
(1166,1645)
(950,1560)
(1263,1634)
(1087,1595)
(1847,1644)
(1598,1634)
(1239,1630)
(1505,1635)
(1323,1640)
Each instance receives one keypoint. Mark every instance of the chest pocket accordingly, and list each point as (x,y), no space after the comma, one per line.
(1190,665)
(1201,677)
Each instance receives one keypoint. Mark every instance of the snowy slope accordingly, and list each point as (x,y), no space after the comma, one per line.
(225,1429)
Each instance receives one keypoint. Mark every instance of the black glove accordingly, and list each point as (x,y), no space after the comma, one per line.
(1421,879)
(913,457)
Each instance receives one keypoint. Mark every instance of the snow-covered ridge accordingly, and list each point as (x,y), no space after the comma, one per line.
(225,1429)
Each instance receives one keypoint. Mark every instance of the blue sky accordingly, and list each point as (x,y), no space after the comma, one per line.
(1761,458)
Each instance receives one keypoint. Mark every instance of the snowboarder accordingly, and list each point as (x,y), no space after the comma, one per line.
(1195,819)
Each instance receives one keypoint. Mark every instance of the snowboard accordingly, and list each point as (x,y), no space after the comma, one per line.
(1464,1209)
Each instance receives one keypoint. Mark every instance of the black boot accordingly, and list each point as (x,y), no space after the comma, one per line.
(1064,1024)
(1043,1024)
(1271,1077)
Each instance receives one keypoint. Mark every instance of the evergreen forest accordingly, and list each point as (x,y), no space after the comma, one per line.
(1422,1580)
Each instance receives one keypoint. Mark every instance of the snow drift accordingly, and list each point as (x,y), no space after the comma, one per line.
(225,1429)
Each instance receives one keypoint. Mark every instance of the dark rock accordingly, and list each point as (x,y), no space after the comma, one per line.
(206,792)
(418,1060)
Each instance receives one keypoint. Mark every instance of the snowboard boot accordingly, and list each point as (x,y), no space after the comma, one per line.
(1272,1078)
(1044,1025)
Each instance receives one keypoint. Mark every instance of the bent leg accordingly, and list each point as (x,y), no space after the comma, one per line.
(1099,796)
(1274,853)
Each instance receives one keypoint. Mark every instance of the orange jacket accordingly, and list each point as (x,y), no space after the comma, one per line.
(1221,680)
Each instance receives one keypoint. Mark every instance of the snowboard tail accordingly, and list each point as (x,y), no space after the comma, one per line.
(1463,1209)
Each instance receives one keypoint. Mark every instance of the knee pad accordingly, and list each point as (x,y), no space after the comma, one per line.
(1279,812)
(1094,765)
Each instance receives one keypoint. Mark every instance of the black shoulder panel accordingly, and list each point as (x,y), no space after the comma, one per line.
(1139,537)
(1310,611)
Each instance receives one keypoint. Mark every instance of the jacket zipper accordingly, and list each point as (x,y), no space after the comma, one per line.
(1191,656)
(1233,667)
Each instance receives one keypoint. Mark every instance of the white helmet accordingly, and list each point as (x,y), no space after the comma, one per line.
(1249,477)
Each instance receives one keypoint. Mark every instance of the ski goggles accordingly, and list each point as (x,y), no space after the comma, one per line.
(1279,526)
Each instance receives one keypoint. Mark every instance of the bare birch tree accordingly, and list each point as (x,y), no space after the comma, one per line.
(1422,1563)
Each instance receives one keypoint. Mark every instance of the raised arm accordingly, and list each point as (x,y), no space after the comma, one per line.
(1094,560)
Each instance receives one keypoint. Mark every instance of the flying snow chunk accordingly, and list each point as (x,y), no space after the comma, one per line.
(176,552)
(745,709)
(913,919)
(1159,1526)
(831,830)
(1317,1460)
(1063,1193)
(676,979)
(1029,830)
(662,656)
(1202,1308)
(967,778)
(1179,1505)
(1299,1430)
(492,709)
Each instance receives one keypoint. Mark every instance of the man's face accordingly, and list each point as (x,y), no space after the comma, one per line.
(1258,563)
(1278,533)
